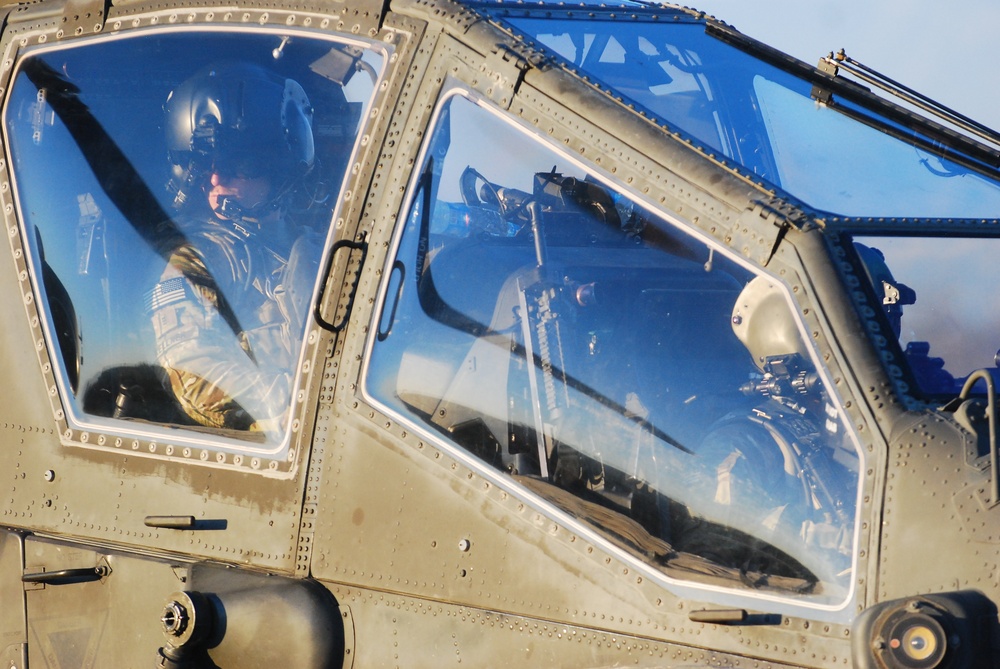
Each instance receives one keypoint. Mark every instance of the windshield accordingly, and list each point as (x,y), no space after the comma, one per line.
(840,159)
(936,294)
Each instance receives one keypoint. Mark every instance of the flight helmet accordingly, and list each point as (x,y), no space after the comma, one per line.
(762,320)
(242,120)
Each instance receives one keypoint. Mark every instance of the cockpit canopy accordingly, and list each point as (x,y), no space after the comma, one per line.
(825,142)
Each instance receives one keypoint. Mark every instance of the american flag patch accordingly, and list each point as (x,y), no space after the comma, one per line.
(166,292)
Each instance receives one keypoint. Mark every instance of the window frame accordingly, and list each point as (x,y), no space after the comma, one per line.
(166,441)
(688,589)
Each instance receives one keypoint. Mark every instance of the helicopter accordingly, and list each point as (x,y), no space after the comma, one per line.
(448,333)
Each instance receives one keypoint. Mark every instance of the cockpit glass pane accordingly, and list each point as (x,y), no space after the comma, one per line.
(936,295)
(835,163)
(176,189)
(834,157)
(634,375)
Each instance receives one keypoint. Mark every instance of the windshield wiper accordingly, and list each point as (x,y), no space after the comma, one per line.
(881,113)
(841,62)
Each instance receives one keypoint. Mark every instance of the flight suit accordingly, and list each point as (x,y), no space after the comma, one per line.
(228,315)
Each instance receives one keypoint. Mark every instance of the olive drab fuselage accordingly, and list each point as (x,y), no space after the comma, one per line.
(440,334)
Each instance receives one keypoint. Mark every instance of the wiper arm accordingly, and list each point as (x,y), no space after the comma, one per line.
(842,62)
(950,143)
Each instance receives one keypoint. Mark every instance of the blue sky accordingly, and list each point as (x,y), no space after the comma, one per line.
(944,50)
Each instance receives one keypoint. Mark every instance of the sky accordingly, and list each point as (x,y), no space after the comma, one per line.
(947,51)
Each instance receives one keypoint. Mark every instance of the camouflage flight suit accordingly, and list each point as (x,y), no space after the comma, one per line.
(228,315)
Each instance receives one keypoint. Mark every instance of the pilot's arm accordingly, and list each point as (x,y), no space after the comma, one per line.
(224,373)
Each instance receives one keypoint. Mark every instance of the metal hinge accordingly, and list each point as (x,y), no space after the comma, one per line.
(508,68)
(784,216)
(782,213)
(84,17)
(829,66)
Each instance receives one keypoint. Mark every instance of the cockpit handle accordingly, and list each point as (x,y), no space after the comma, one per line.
(67,576)
(361,247)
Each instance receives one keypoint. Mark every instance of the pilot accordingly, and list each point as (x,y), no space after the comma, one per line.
(775,484)
(229,309)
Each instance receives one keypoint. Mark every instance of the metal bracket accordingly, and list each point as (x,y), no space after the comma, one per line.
(76,17)
(829,66)
(82,17)
(783,213)
(14,655)
(509,68)
(784,216)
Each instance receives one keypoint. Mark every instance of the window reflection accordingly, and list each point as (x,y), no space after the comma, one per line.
(816,150)
(177,190)
(628,372)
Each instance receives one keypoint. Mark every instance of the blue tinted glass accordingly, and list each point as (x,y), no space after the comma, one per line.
(835,158)
(177,255)
(937,293)
(627,371)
